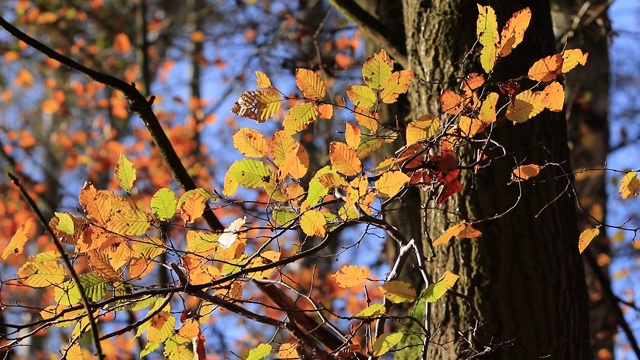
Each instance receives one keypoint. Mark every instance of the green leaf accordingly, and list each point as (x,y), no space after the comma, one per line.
(283,216)
(317,191)
(437,290)
(41,273)
(149,348)
(125,173)
(259,352)
(164,203)
(372,311)
(249,173)
(398,291)
(362,96)
(386,342)
(65,223)
(178,348)
(377,70)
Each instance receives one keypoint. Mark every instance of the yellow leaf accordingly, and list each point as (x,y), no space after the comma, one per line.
(585,238)
(513,32)
(546,69)
(41,274)
(423,128)
(553,96)
(572,58)
(282,145)
(262,80)
(99,263)
(250,143)
(344,158)
(367,119)
(96,203)
(487,113)
(386,342)
(524,172)
(128,220)
(390,183)
(629,186)
(450,102)
(470,127)
(437,290)
(19,239)
(257,105)
(398,291)
(377,69)
(299,117)
(310,84)
(361,96)
(397,84)
(125,173)
(352,135)
(487,33)
(350,275)
(117,250)
(449,233)
(525,106)
(161,328)
(313,223)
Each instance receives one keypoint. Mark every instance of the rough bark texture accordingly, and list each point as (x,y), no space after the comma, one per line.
(523,280)
(587,90)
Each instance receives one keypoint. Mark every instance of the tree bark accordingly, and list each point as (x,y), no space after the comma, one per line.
(525,296)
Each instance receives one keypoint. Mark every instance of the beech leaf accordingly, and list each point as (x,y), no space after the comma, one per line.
(250,143)
(125,173)
(437,290)
(398,291)
(310,84)
(585,238)
(344,158)
(25,231)
(350,275)
(629,185)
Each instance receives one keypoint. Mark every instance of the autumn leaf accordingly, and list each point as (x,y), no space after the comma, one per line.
(262,80)
(164,204)
(513,32)
(162,327)
(546,69)
(260,352)
(125,173)
(96,203)
(437,290)
(487,113)
(461,230)
(386,342)
(310,84)
(350,275)
(372,311)
(361,96)
(423,128)
(629,185)
(296,162)
(190,329)
(19,239)
(325,111)
(390,183)
(376,70)
(65,223)
(250,143)
(249,173)
(128,220)
(193,207)
(398,291)
(288,351)
(352,135)
(585,238)
(317,190)
(121,43)
(299,117)
(572,58)
(451,103)
(367,119)
(525,172)
(344,158)
(553,96)
(41,274)
(487,33)
(313,223)
(397,84)
(525,106)
(258,105)
(470,127)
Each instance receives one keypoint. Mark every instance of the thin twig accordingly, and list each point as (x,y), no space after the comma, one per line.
(67,262)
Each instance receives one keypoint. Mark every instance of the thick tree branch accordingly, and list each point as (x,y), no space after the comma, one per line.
(137,103)
(372,28)
(67,262)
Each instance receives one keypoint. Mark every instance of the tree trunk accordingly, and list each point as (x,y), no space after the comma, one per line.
(523,280)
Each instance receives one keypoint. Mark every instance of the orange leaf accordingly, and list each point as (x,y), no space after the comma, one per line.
(470,127)
(450,102)
(397,84)
(425,127)
(288,351)
(546,69)
(487,113)
(296,162)
(572,58)
(461,230)
(377,69)
(281,145)
(50,106)
(121,43)
(352,135)
(23,78)
(524,172)
(391,182)
(193,208)
(190,329)
(326,111)
(310,84)
(96,203)
(350,275)
(367,119)
(344,158)
(513,32)
(19,239)
(553,96)
(585,238)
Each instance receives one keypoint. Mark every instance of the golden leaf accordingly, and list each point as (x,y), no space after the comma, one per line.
(350,275)
(344,158)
